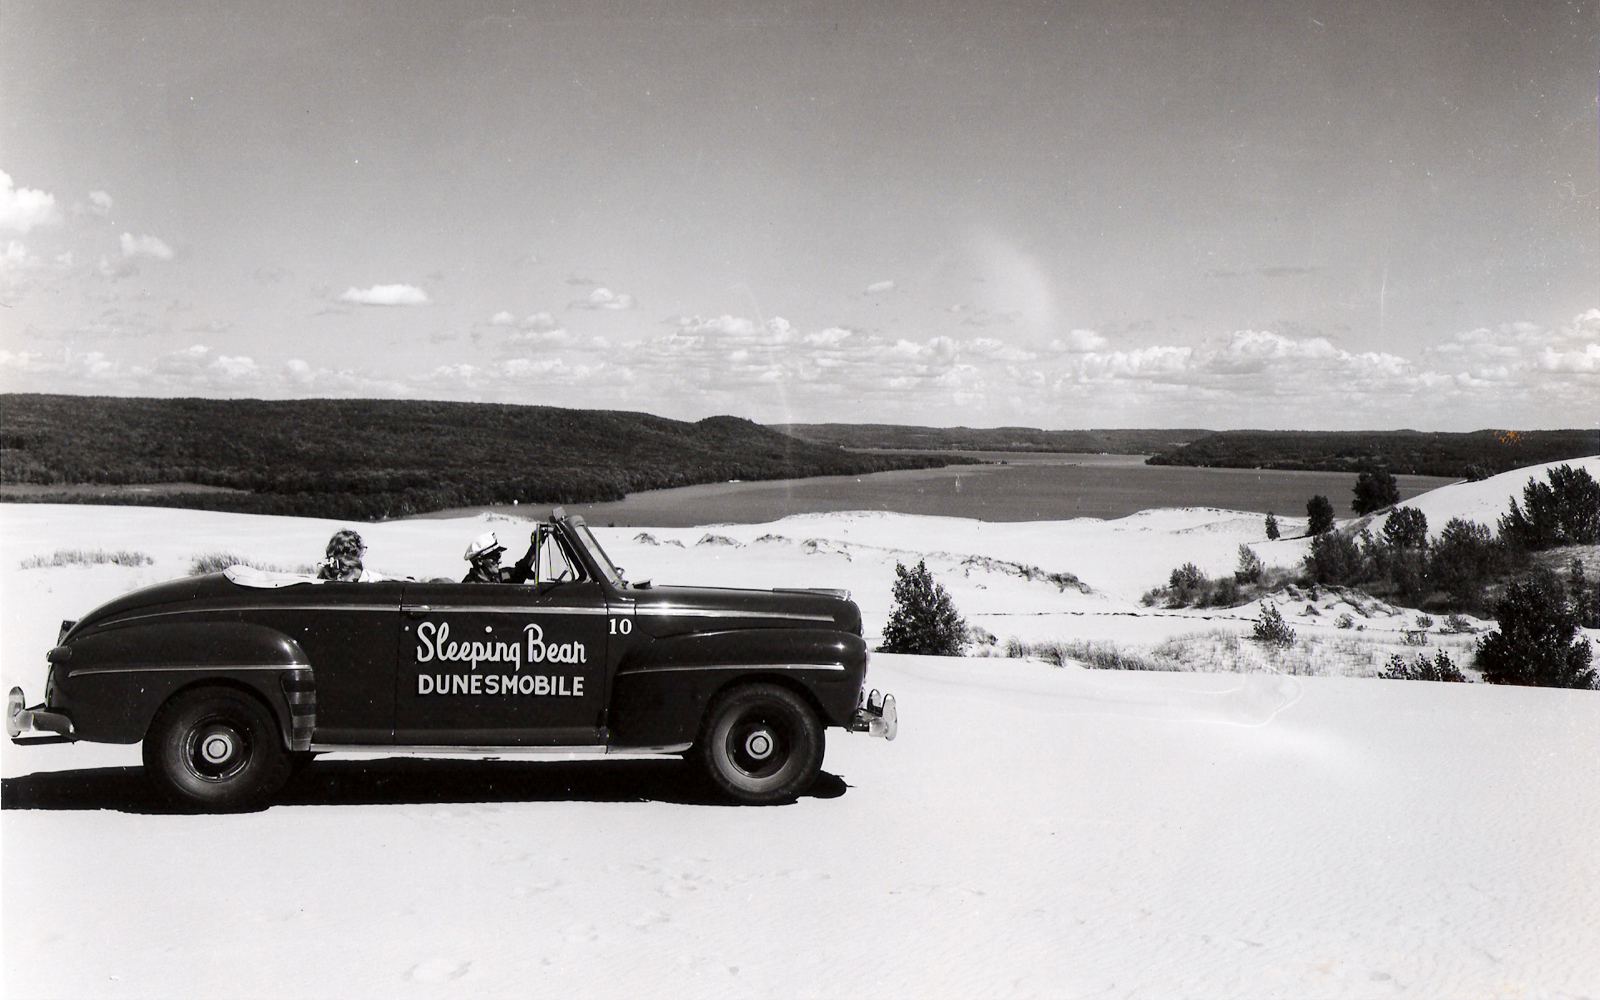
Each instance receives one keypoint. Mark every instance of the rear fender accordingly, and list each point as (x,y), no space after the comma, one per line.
(115,679)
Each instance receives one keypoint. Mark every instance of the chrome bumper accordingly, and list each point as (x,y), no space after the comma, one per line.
(875,715)
(20,719)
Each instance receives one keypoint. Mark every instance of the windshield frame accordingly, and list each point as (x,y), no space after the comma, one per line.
(584,538)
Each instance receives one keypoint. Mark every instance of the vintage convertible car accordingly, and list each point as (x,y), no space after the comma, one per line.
(233,679)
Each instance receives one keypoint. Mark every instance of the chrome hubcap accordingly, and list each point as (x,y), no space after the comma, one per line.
(217,747)
(759,744)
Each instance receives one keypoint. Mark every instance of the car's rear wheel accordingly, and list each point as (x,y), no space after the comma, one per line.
(217,748)
(761,743)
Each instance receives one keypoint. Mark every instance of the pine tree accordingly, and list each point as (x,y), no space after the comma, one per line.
(1319,515)
(1537,641)
(924,619)
(1272,526)
(1375,489)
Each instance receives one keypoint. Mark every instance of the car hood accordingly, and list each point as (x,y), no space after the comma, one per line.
(752,608)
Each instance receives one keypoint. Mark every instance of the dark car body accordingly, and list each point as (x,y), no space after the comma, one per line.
(585,661)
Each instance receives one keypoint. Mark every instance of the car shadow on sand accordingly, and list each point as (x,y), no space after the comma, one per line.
(401,780)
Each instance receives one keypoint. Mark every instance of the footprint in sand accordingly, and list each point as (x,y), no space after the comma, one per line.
(437,970)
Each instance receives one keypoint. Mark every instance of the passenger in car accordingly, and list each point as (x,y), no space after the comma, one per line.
(343,557)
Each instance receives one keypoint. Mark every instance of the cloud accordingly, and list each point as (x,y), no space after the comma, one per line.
(100,203)
(15,256)
(145,246)
(386,295)
(605,298)
(879,287)
(24,209)
(503,318)
(1078,342)
(122,267)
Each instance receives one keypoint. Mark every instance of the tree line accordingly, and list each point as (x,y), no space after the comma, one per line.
(371,459)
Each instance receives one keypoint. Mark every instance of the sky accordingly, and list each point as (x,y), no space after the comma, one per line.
(1242,213)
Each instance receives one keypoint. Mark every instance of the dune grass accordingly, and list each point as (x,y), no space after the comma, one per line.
(216,562)
(1223,652)
(87,557)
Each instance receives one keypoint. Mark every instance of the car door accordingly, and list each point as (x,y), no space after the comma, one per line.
(503,664)
(350,633)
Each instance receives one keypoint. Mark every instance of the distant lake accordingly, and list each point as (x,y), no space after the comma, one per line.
(1030,486)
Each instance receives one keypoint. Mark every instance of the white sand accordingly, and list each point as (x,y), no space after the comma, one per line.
(1034,831)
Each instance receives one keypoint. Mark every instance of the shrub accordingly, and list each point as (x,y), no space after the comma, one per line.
(1475,473)
(1585,595)
(1458,625)
(1319,515)
(1272,526)
(1250,567)
(1406,528)
(1464,557)
(1345,621)
(980,636)
(1271,629)
(924,619)
(1335,559)
(1537,641)
(1564,511)
(1375,490)
(1441,668)
(1424,622)
(1187,585)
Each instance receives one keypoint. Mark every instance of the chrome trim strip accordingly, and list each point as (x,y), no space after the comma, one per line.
(665,610)
(669,748)
(837,667)
(186,667)
(520,609)
(232,608)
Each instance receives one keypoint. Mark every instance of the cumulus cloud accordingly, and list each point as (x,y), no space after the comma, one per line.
(145,246)
(100,203)
(503,318)
(386,295)
(23,210)
(1078,342)
(605,298)
(879,287)
(15,256)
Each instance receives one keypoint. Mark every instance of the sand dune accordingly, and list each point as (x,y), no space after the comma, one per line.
(1034,831)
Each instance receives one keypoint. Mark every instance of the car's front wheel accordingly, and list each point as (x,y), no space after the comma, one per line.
(761,743)
(216,748)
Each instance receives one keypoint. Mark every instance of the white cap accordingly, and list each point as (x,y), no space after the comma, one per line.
(482,545)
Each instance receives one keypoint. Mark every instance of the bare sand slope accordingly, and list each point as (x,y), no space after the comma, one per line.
(1034,831)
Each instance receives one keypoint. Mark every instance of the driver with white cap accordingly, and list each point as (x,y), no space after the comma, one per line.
(484,555)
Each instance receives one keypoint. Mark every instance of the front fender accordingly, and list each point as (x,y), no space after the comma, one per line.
(111,681)
(662,688)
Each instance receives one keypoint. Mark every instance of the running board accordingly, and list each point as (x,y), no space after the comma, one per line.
(558,753)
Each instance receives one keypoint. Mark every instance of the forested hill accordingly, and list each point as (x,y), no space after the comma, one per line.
(1471,455)
(366,458)
(1114,442)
